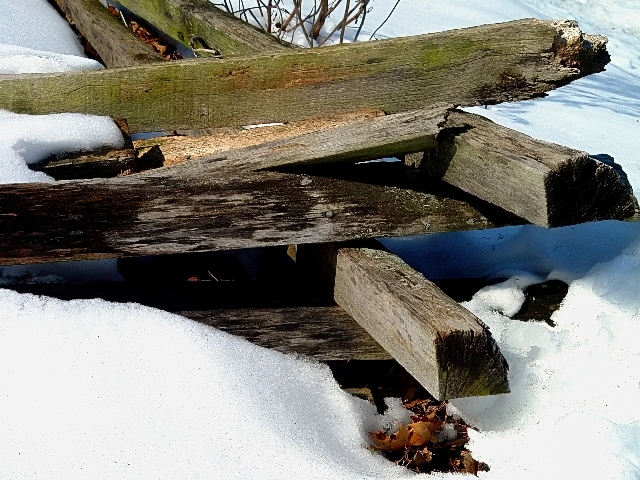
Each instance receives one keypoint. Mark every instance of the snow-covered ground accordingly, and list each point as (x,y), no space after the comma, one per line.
(90,389)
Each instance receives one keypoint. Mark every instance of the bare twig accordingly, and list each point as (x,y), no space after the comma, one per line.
(385,20)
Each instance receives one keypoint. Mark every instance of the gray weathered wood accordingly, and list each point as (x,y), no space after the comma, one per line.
(547,184)
(116,44)
(280,316)
(189,208)
(197,23)
(487,64)
(445,347)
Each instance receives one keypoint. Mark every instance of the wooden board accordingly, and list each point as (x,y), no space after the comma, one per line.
(187,209)
(116,44)
(487,64)
(445,347)
(547,184)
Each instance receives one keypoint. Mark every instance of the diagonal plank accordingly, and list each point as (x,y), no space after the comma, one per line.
(444,346)
(116,45)
(198,23)
(487,64)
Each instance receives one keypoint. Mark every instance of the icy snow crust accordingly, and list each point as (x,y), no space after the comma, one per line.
(90,389)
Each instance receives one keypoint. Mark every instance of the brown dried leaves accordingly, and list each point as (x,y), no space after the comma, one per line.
(417,445)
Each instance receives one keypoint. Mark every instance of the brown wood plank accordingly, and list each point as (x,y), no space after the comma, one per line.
(200,25)
(545,183)
(487,64)
(445,347)
(116,44)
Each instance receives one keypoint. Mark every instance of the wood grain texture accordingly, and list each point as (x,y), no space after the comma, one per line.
(116,44)
(186,208)
(547,184)
(487,64)
(199,22)
(445,347)
(277,315)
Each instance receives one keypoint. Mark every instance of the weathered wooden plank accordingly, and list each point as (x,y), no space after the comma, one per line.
(488,64)
(197,23)
(445,347)
(545,183)
(273,315)
(187,208)
(116,45)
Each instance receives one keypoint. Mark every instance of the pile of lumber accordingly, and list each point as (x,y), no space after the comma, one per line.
(210,185)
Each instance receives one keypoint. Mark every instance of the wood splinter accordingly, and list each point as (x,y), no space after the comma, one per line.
(444,346)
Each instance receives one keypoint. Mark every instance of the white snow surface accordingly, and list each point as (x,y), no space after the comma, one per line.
(35,39)
(28,139)
(15,59)
(90,389)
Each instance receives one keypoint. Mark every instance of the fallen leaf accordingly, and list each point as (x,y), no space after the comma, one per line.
(394,441)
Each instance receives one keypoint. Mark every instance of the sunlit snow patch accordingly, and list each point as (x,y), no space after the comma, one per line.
(14,60)
(28,139)
(91,389)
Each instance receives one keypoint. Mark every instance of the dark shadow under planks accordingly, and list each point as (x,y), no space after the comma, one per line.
(278,315)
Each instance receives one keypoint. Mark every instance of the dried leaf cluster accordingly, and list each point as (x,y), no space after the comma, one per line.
(416,445)
(144,34)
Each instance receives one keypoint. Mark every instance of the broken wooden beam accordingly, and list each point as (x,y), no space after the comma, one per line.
(116,45)
(487,64)
(444,346)
(203,27)
(548,184)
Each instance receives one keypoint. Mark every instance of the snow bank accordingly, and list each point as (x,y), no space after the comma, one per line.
(28,139)
(14,60)
(97,390)
(575,387)
(35,24)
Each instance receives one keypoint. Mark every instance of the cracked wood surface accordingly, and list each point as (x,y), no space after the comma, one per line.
(545,183)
